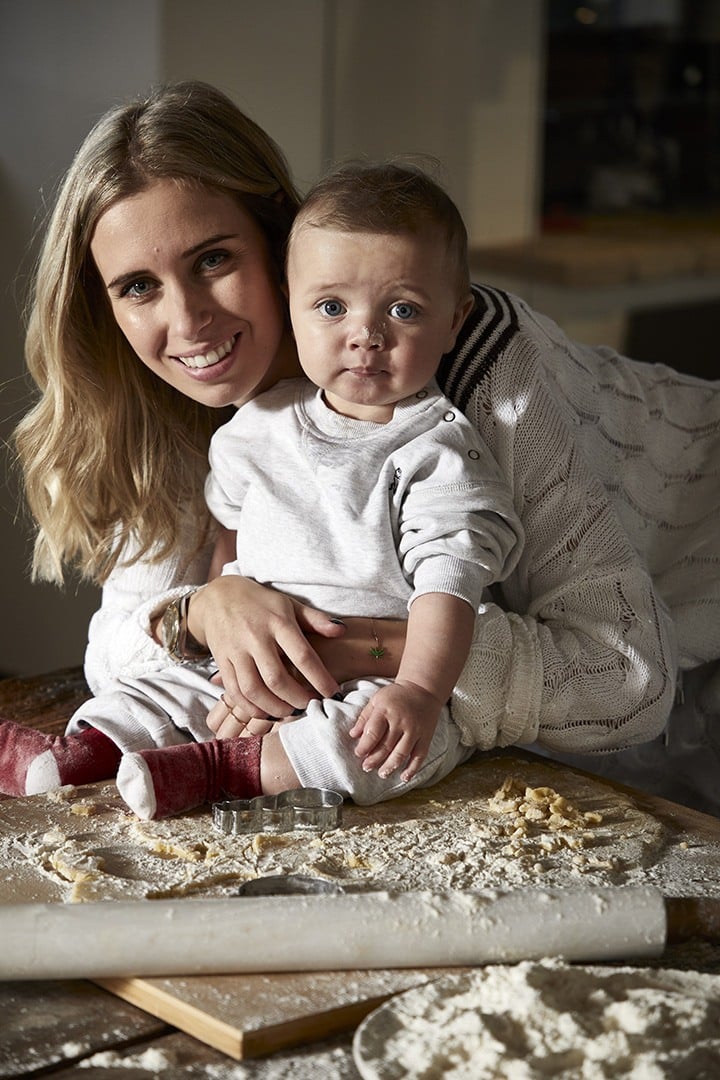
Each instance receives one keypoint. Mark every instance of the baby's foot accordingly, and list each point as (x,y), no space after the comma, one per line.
(32,761)
(159,783)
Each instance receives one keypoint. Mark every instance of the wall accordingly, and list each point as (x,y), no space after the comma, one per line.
(461,81)
(457,79)
(61,66)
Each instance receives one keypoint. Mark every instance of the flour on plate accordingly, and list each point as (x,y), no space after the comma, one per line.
(534,1020)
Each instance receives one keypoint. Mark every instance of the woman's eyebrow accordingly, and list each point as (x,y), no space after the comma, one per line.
(133,275)
(218,238)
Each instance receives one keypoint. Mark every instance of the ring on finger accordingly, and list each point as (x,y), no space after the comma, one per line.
(231,710)
(241,719)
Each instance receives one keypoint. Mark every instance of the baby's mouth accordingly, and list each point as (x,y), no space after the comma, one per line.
(365,372)
(212,356)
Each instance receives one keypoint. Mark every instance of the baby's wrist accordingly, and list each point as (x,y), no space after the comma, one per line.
(419,687)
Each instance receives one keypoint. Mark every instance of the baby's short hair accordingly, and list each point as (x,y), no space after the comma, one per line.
(385,197)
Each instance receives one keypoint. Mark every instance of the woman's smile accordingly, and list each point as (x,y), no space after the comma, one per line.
(210,357)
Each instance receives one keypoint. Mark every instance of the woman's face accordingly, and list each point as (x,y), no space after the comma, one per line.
(191,285)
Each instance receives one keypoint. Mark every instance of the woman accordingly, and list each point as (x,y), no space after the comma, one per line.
(612,466)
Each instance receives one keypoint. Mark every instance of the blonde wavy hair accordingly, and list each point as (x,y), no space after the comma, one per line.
(112,457)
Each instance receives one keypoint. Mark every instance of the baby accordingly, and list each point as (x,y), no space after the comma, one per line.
(361,490)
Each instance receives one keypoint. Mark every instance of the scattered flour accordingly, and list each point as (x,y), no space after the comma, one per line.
(72,1049)
(152,1060)
(323,1061)
(535,1020)
(494,823)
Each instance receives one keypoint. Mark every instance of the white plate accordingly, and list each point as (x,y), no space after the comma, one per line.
(542,1019)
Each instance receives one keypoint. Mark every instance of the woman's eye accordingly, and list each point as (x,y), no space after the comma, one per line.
(403,310)
(212,260)
(331,308)
(136,289)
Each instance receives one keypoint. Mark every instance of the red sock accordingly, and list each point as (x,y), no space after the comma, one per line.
(32,761)
(159,783)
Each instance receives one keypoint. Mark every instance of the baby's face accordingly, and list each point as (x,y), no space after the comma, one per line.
(372,314)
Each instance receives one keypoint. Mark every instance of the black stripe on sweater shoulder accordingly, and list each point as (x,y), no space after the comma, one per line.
(481,341)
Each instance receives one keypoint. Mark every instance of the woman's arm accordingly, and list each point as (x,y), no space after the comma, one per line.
(578,651)
(123,636)
(354,654)
(592,672)
(256,636)
(121,641)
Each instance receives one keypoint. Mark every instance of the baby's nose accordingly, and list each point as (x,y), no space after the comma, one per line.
(367,337)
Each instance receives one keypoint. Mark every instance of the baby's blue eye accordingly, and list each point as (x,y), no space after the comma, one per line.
(403,311)
(332,308)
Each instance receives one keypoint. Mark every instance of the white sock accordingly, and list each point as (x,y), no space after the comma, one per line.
(42,774)
(135,784)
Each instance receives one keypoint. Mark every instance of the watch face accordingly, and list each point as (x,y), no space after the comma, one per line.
(170,627)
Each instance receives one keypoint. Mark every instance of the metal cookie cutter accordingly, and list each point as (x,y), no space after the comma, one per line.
(303,884)
(300,808)
(290,885)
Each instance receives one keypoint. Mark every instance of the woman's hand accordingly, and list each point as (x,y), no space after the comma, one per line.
(347,656)
(258,638)
(226,724)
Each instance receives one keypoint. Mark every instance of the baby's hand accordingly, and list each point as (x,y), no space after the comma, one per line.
(396,727)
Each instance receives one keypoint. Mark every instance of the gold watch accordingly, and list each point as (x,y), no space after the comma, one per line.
(176,639)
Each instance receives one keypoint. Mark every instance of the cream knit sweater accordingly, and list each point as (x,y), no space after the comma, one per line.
(614,468)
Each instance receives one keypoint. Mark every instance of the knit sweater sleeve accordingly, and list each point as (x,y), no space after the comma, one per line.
(574,650)
(120,640)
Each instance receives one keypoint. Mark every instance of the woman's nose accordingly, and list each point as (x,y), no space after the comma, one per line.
(187,311)
(368,337)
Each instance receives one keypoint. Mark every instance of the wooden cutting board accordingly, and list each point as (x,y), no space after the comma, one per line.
(250,1015)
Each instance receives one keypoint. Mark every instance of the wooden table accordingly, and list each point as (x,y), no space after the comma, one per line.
(74,1028)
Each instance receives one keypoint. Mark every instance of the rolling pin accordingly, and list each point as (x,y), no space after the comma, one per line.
(108,939)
